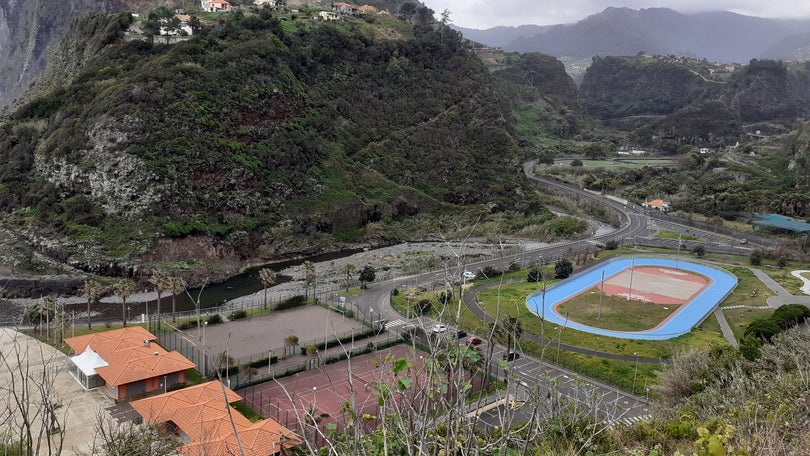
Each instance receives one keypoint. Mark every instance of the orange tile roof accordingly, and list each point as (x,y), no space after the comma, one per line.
(130,359)
(200,413)
(141,363)
(657,203)
(131,335)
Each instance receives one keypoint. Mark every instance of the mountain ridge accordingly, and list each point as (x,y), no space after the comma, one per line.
(718,36)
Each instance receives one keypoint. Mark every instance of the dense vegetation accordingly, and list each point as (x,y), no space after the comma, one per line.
(265,131)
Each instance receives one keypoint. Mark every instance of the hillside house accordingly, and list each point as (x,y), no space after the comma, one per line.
(215,6)
(127,362)
(367,9)
(327,16)
(345,8)
(657,204)
(199,416)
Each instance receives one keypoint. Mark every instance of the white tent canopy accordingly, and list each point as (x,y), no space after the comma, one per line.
(88,361)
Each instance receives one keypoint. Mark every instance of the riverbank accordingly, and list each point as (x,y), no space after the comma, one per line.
(389,262)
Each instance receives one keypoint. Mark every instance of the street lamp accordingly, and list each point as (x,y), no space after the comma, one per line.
(677,257)
(204,358)
(635,373)
(601,294)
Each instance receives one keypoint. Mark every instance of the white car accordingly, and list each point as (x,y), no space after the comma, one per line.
(468,275)
(439,328)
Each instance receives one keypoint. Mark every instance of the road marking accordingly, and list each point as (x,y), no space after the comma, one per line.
(395,323)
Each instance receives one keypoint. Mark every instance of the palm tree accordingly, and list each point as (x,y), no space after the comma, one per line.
(514,331)
(309,267)
(176,285)
(350,268)
(124,288)
(268,278)
(161,282)
(62,321)
(90,291)
(46,307)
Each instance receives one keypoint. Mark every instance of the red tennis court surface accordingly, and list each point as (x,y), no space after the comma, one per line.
(325,393)
(654,284)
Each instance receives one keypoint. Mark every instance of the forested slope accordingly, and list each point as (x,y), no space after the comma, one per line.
(261,132)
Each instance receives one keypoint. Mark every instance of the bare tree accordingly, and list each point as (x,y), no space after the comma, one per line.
(30,408)
(116,438)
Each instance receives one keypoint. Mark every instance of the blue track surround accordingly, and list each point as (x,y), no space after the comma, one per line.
(681,322)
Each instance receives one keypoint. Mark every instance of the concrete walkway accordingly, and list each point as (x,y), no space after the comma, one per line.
(79,408)
(782,296)
(725,327)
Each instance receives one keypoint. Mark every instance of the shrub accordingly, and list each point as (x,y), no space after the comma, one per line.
(563,269)
(535,274)
(186,325)
(214,319)
(576,162)
(488,272)
(289,303)
(763,329)
(699,250)
(237,314)
(781,262)
(611,245)
(756,258)
(422,306)
(263,362)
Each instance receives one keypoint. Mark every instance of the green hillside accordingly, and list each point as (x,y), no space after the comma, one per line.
(263,134)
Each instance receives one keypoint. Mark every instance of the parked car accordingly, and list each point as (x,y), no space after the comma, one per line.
(472,340)
(511,356)
(468,275)
(439,328)
(461,333)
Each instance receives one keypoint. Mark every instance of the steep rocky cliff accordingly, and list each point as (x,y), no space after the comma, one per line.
(31,29)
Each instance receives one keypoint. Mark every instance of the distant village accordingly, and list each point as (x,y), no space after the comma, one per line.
(185,29)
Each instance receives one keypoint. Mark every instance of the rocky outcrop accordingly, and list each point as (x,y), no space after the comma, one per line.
(31,30)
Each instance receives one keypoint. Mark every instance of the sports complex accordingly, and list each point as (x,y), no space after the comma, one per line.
(696,290)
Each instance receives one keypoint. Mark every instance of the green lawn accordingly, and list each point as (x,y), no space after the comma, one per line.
(739,319)
(749,291)
(511,299)
(666,234)
(783,276)
(611,312)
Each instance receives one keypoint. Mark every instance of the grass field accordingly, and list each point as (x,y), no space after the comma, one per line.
(585,308)
(666,234)
(739,319)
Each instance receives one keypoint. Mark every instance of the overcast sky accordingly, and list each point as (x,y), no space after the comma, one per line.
(483,14)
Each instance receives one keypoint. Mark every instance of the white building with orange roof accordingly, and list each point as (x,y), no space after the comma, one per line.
(201,417)
(215,6)
(657,204)
(127,362)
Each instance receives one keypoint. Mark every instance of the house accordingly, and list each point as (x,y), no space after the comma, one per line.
(345,8)
(328,16)
(657,204)
(215,6)
(201,416)
(126,362)
(367,9)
